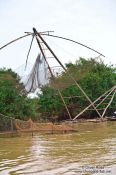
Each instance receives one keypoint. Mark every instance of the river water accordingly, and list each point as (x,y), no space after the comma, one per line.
(91,150)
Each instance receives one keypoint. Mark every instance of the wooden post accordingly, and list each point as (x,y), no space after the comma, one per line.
(65,104)
(11,121)
(108,104)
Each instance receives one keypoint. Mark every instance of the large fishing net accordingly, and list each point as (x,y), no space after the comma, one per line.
(39,75)
(29,126)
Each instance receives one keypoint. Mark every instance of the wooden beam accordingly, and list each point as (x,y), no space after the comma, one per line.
(108,104)
(91,104)
(15,40)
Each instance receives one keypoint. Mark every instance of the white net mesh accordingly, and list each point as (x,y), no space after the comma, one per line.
(39,75)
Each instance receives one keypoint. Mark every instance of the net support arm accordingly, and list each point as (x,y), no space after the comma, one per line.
(15,40)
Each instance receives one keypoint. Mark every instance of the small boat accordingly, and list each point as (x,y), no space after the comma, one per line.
(111,118)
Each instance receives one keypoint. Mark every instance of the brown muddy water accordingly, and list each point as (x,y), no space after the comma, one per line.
(91,150)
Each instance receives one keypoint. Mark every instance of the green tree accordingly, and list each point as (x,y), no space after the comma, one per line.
(13,100)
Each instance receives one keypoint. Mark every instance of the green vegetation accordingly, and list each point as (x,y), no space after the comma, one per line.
(92,75)
(13,100)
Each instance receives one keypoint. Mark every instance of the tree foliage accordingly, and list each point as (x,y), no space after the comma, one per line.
(13,100)
(93,76)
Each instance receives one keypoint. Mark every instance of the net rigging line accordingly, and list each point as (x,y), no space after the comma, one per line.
(52,43)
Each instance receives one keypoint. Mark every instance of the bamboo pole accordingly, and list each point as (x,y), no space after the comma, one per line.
(91,104)
(38,42)
(74,42)
(105,97)
(65,104)
(44,56)
(109,104)
(29,50)
(15,40)
(11,125)
(73,96)
(94,109)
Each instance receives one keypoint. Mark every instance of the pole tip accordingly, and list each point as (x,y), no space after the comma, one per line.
(34,29)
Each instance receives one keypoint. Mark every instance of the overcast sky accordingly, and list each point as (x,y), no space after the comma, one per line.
(92,22)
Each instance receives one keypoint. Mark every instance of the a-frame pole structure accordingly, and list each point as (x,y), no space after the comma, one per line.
(52,75)
(51,51)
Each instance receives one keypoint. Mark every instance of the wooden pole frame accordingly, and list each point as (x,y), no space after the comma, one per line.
(44,56)
(105,97)
(109,103)
(39,35)
(112,89)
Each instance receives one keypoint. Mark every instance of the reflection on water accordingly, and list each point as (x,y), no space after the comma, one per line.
(91,150)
